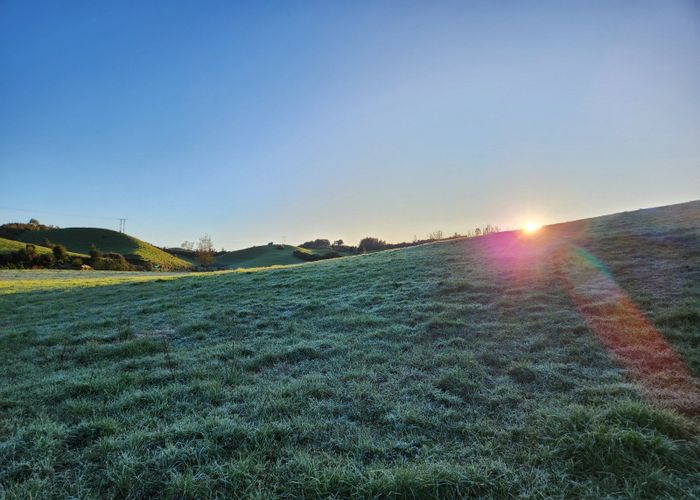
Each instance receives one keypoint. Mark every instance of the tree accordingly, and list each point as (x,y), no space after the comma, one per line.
(187,245)
(28,253)
(477,232)
(338,243)
(435,235)
(317,243)
(205,250)
(370,244)
(95,256)
(34,222)
(60,253)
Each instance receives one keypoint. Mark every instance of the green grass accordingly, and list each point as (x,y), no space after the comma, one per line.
(260,256)
(266,256)
(263,256)
(9,246)
(465,368)
(79,239)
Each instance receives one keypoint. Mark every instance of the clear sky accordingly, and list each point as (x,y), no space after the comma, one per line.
(257,120)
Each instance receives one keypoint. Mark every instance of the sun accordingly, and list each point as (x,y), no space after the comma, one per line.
(531,227)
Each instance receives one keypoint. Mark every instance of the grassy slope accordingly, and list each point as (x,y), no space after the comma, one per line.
(462,368)
(79,239)
(7,246)
(260,256)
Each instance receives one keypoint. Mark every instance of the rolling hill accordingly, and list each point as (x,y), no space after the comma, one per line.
(79,239)
(7,246)
(260,256)
(559,364)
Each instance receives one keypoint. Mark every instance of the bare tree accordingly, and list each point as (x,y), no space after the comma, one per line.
(205,250)
(187,245)
(435,235)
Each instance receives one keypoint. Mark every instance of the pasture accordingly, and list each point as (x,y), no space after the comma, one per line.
(561,364)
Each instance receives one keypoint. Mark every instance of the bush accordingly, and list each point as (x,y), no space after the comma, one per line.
(26,258)
(60,253)
(14,229)
(317,243)
(111,262)
(95,254)
(370,244)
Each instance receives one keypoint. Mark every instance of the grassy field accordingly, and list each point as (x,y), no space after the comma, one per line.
(557,365)
(79,239)
(264,256)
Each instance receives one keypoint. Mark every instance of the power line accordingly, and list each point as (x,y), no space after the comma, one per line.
(122,225)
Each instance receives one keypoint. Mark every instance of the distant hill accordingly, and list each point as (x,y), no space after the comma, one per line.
(261,256)
(79,239)
(8,246)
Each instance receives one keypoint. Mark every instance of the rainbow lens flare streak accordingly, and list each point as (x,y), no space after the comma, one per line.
(622,328)
(628,335)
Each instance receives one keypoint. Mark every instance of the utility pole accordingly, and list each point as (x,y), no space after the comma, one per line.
(122,225)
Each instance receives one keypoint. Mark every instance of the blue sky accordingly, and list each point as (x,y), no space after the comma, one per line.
(255,121)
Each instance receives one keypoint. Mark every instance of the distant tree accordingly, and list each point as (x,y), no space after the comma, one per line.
(205,250)
(95,256)
(34,222)
(28,253)
(338,243)
(14,229)
(370,244)
(489,229)
(60,253)
(317,243)
(187,245)
(477,232)
(435,235)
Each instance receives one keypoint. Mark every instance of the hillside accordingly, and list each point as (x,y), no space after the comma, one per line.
(79,239)
(7,246)
(560,364)
(260,256)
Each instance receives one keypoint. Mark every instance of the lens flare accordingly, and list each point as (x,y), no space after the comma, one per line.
(531,227)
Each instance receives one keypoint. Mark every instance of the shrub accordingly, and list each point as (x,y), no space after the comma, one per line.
(60,253)
(317,243)
(95,254)
(111,262)
(370,244)
(14,229)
